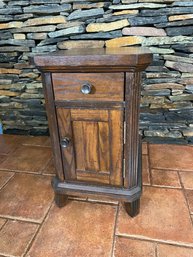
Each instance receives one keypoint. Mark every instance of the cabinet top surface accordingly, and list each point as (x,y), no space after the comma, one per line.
(113,57)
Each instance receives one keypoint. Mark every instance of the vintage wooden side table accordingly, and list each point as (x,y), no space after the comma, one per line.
(92,100)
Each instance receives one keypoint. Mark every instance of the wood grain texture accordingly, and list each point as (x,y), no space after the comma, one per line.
(132,100)
(95,60)
(105,86)
(78,139)
(116,147)
(64,123)
(91,146)
(89,115)
(93,177)
(96,144)
(90,104)
(52,121)
(104,153)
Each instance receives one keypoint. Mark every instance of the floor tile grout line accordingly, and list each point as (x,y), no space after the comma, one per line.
(35,235)
(44,146)
(186,199)
(20,219)
(164,186)
(93,202)
(5,184)
(149,165)
(160,186)
(26,172)
(156,250)
(114,231)
(8,255)
(29,243)
(169,169)
(151,240)
(43,169)
(4,224)
(144,152)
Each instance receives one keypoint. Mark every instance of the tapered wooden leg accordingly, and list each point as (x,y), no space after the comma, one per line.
(133,208)
(60,200)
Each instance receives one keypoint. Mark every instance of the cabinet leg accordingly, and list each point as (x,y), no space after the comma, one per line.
(60,200)
(133,208)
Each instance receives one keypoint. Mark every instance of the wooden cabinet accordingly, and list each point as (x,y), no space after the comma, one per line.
(92,100)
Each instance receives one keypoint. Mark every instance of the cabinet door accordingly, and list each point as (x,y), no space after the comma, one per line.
(92,145)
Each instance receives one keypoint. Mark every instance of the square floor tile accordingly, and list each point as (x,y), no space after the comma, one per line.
(2,222)
(49,169)
(36,140)
(125,247)
(4,177)
(174,157)
(9,143)
(78,229)
(144,148)
(163,216)
(174,251)
(26,197)
(28,159)
(165,178)
(187,179)
(3,157)
(189,195)
(145,170)
(15,237)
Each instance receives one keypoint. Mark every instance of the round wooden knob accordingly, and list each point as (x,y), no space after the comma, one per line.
(65,142)
(86,88)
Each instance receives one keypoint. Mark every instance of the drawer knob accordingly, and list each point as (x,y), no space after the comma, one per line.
(65,142)
(86,88)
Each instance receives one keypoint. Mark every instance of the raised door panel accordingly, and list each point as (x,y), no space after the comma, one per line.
(95,149)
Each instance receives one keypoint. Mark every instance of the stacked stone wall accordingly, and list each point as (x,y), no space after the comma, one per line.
(29,27)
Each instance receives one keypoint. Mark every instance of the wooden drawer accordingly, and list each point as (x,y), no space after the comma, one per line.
(88,86)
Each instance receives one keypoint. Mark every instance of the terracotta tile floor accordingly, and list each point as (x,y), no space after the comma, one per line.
(32,226)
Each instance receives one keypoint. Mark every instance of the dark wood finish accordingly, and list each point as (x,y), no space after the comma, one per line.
(108,87)
(132,101)
(89,115)
(52,121)
(110,192)
(89,104)
(133,208)
(116,147)
(64,123)
(95,60)
(90,190)
(95,136)
(60,199)
(96,144)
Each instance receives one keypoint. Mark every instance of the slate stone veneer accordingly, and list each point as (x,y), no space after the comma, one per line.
(29,27)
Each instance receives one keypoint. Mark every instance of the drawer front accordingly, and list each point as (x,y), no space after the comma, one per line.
(88,86)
